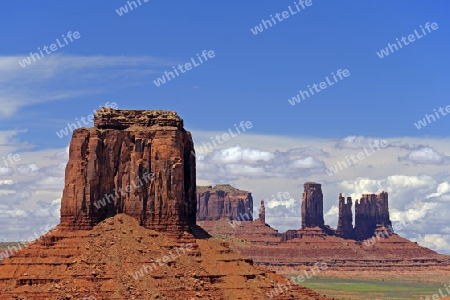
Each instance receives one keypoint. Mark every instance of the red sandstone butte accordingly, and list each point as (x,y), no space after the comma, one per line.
(223,201)
(111,162)
(128,248)
(371,211)
(312,205)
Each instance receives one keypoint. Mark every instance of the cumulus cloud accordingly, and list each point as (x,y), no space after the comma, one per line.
(442,193)
(436,242)
(240,155)
(237,162)
(400,187)
(281,199)
(412,212)
(331,216)
(425,155)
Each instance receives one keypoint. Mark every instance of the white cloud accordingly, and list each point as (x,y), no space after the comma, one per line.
(398,186)
(307,163)
(332,215)
(237,162)
(238,154)
(436,242)
(27,169)
(6,171)
(287,203)
(425,155)
(412,212)
(442,189)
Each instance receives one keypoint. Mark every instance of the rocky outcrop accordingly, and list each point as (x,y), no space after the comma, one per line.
(345,221)
(371,211)
(136,162)
(119,259)
(131,173)
(312,205)
(262,213)
(371,215)
(339,249)
(223,201)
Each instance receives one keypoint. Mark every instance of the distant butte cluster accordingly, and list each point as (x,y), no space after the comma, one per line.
(371,212)
(371,215)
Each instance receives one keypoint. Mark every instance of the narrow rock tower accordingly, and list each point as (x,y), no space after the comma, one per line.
(262,213)
(312,205)
(345,221)
(136,162)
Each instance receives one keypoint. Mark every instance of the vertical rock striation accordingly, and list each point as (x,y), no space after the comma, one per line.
(345,221)
(312,205)
(371,211)
(223,201)
(136,162)
(262,213)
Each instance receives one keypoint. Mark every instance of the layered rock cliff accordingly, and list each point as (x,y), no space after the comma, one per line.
(223,201)
(136,162)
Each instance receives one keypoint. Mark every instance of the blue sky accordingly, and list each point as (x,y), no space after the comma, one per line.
(250,78)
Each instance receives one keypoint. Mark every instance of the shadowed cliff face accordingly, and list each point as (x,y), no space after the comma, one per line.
(371,211)
(135,162)
(345,221)
(312,205)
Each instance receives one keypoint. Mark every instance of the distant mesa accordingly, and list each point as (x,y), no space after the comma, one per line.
(223,201)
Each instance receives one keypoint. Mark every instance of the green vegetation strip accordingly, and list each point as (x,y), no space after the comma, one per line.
(349,288)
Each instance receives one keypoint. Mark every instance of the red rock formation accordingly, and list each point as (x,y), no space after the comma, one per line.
(119,259)
(371,212)
(345,221)
(109,251)
(223,201)
(304,247)
(136,162)
(312,205)
(262,213)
